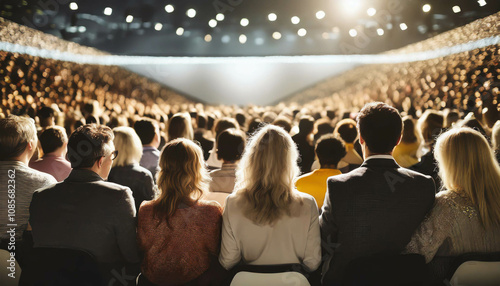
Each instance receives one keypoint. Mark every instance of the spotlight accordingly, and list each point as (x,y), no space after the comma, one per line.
(179,31)
(302,32)
(219,17)
(295,20)
(276,35)
(191,13)
(208,38)
(108,11)
(403,26)
(320,15)
(169,8)
(158,26)
(243,39)
(426,8)
(212,23)
(82,29)
(129,19)
(73,6)
(244,22)
(380,32)
(371,12)
(353,33)
(456,9)
(272,17)
(481,2)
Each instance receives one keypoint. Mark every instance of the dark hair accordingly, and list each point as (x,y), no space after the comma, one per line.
(87,144)
(230,144)
(201,120)
(241,118)
(431,125)
(223,124)
(254,125)
(52,139)
(330,150)
(283,122)
(409,135)
(380,126)
(306,125)
(45,112)
(346,129)
(146,129)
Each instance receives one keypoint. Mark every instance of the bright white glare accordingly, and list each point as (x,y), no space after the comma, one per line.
(320,15)
(350,6)
(169,8)
(302,32)
(353,33)
(225,39)
(380,32)
(73,6)
(456,9)
(158,26)
(244,22)
(108,11)
(403,26)
(212,23)
(82,29)
(191,13)
(179,31)
(481,3)
(426,8)
(272,17)
(129,19)
(259,41)
(295,20)
(371,12)
(208,38)
(219,17)
(276,35)
(243,39)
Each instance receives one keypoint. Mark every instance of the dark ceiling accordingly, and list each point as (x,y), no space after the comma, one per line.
(153,31)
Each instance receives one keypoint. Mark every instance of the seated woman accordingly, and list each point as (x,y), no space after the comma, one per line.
(405,153)
(466,215)
(267,221)
(126,169)
(178,232)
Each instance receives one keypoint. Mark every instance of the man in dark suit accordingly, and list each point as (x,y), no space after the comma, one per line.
(84,211)
(375,208)
(303,141)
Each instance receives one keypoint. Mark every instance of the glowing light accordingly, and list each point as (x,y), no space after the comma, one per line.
(169,8)
(179,31)
(320,15)
(73,6)
(371,12)
(219,17)
(426,8)
(295,20)
(456,9)
(208,38)
(272,17)
(243,39)
(403,26)
(302,32)
(108,11)
(481,3)
(225,39)
(276,35)
(380,32)
(212,23)
(350,6)
(353,33)
(259,41)
(82,29)
(244,22)
(158,26)
(129,19)
(191,13)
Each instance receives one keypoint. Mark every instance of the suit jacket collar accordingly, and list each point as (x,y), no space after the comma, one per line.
(83,175)
(380,162)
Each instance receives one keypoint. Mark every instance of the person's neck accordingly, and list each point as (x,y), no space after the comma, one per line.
(328,166)
(150,145)
(58,153)
(367,153)
(23,158)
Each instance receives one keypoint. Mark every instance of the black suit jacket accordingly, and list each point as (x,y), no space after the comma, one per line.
(373,209)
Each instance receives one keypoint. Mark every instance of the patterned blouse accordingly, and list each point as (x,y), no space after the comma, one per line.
(453,227)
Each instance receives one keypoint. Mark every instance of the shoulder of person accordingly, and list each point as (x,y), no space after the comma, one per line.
(210,205)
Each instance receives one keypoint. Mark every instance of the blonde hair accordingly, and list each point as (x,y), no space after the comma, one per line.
(266,175)
(17,132)
(129,146)
(183,177)
(467,165)
(495,137)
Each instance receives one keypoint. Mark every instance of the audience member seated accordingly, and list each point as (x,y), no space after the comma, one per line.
(329,151)
(466,216)
(222,124)
(266,221)
(323,126)
(85,212)
(179,233)
(179,126)
(375,208)
(200,135)
(283,122)
(495,140)
(230,146)
(304,140)
(126,170)
(149,133)
(18,142)
(54,142)
(346,129)
(405,153)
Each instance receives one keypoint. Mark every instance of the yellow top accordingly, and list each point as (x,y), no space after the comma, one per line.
(406,154)
(314,183)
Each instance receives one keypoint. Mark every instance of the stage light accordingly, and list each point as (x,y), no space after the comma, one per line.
(82,29)
(243,39)
(225,39)
(272,17)
(380,32)
(353,33)
(426,8)
(403,26)
(276,35)
(219,17)
(158,26)
(191,13)
(108,11)
(129,19)
(169,8)
(481,3)
(320,15)
(301,32)
(179,31)
(73,6)
(456,9)
(350,6)
(295,20)
(208,38)
(244,22)
(212,23)
(371,12)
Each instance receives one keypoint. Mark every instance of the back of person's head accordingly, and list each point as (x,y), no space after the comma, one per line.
(146,129)
(183,177)
(409,131)
(471,121)
(266,174)
(16,133)
(380,126)
(223,124)
(241,118)
(430,125)
(46,116)
(201,121)
(495,136)
(283,122)
(230,145)
(330,150)
(346,129)
(323,126)
(306,125)
(179,126)
(53,138)
(129,146)
(254,125)
(88,144)
(467,165)
(451,117)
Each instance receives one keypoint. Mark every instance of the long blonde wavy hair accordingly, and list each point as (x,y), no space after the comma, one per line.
(266,175)
(467,165)
(183,177)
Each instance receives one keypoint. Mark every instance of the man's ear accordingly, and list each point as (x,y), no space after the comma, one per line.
(100,162)
(361,140)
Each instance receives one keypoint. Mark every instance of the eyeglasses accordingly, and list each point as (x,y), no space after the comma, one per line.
(114,154)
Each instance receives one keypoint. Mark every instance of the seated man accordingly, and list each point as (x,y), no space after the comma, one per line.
(375,208)
(149,133)
(329,151)
(86,212)
(54,142)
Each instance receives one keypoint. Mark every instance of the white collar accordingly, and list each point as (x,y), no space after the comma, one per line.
(380,157)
